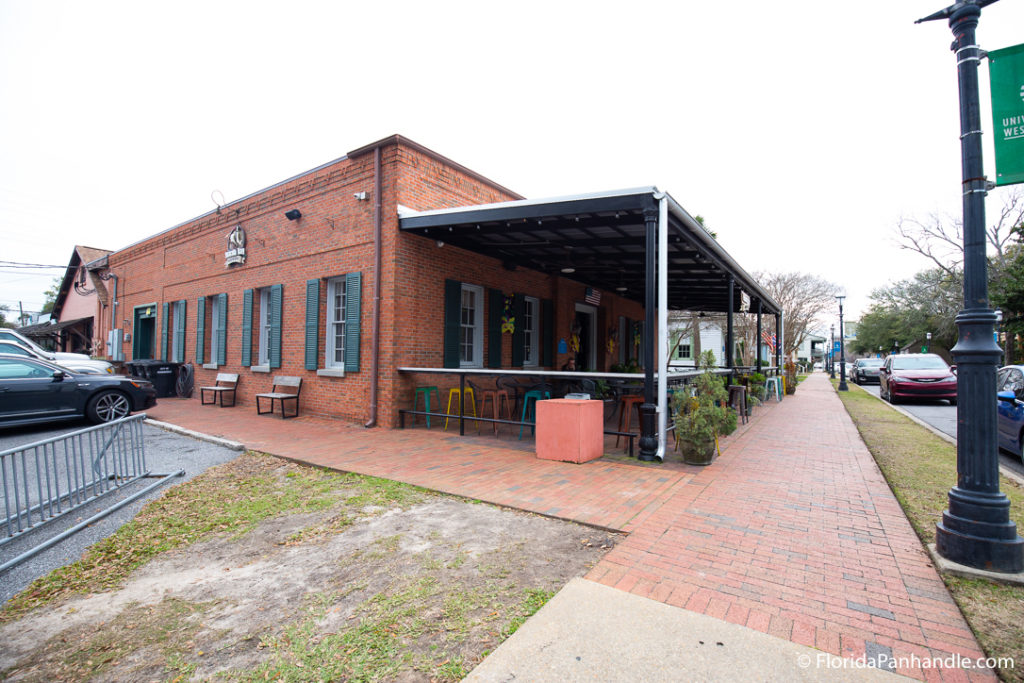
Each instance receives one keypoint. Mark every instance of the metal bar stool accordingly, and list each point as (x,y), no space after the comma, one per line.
(452,393)
(626,415)
(773,387)
(534,395)
(498,399)
(738,400)
(425,392)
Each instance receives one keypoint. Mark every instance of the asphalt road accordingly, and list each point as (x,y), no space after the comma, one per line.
(165,452)
(942,417)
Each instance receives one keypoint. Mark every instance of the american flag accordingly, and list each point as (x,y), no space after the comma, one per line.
(769,339)
(592,296)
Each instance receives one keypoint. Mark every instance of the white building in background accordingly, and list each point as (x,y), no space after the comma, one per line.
(683,352)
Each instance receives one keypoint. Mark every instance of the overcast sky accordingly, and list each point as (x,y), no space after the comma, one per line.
(800,131)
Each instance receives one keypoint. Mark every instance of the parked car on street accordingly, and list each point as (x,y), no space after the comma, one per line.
(15,337)
(818,366)
(917,376)
(34,391)
(865,370)
(87,366)
(1010,409)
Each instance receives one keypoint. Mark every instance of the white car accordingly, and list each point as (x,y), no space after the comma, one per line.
(76,363)
(17,338)
(818,366)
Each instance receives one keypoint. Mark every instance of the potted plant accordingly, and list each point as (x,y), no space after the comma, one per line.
(702,418)
(756,385)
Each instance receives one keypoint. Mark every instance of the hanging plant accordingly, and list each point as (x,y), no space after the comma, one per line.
(508,321)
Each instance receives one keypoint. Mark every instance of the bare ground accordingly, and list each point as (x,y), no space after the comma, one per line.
(420,592)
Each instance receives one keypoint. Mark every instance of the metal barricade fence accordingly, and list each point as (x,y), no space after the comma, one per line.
(44,480)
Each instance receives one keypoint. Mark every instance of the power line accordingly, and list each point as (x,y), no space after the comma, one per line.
(17,264)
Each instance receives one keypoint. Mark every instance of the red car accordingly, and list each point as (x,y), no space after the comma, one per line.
(917,375)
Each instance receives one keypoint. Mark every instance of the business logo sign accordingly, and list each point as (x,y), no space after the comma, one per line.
(235,255)
(1006,76)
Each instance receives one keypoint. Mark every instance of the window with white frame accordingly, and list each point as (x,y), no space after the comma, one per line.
(531,310)
(264,326)
(471,332)
(336,318)
(215,332)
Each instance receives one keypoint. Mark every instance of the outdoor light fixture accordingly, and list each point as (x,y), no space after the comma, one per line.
(361,196)
(568,268)
(293,215)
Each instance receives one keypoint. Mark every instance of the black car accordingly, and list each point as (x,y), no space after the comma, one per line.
(34,391)
(865,370)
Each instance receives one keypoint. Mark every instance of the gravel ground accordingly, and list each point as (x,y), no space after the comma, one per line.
(165,453)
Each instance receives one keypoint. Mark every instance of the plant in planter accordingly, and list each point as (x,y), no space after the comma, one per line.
(701,419)
(790,377)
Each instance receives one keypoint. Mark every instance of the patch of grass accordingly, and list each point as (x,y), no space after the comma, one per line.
(921,468)
(164,630)
(533,600)
(228,499)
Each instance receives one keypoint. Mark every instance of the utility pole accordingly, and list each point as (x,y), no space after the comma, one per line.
(976,529)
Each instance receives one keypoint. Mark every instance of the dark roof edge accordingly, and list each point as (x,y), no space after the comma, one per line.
(406,142)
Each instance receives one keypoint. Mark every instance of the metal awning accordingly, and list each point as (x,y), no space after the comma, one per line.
(601,236)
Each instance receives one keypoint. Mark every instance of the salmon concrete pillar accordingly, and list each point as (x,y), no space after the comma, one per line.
(570,430)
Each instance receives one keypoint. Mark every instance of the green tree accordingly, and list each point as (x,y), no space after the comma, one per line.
(907,310)
(4,310)
(50,295)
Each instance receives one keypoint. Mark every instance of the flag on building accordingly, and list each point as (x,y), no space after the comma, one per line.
(769,339)
(593,296)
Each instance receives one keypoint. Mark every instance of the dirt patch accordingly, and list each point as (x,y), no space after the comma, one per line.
(421,591)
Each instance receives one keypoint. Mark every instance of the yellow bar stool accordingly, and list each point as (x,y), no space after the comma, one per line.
(470,402)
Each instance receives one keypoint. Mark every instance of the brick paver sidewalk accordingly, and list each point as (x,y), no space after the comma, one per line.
(793,531)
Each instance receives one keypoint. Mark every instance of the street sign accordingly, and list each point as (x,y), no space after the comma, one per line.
(1006,78)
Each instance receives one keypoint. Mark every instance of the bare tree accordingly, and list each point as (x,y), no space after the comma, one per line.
(805,299)
(940,238)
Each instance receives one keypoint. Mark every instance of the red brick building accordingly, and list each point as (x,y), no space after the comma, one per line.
(345,273)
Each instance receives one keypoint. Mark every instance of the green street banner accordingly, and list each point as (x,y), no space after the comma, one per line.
(1006,76)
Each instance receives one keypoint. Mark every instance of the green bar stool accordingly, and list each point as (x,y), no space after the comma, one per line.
(452,393)
(425,392)
(535,395)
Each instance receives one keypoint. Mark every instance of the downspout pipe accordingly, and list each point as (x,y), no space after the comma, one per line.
(663,351)
(377,259)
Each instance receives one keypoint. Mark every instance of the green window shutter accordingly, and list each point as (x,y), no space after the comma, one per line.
(179,331)
(518,334)
(547,333)
(276,301)
(353,287)
(496,307)
(201,330)
(452,322)
(221,327)
(312,323)
(247,328)
(163,330)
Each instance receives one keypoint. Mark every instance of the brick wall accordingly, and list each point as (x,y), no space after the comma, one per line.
(335,237)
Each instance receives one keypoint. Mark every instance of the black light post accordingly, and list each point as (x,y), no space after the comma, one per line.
(832,355)
(842,348)
(976,529)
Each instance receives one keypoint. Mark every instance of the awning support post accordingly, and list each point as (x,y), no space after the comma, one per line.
(648,411)
(757,340)
(730,339)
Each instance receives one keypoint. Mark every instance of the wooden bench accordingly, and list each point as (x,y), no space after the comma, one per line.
(284,389)
(226,383)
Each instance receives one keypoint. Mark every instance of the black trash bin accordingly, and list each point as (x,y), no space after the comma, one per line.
(163,374)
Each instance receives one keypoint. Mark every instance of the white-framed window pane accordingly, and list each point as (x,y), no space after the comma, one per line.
(531,307)
(471,340)
(336,307)
(264,321)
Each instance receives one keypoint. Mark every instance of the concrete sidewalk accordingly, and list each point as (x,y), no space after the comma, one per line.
(793,534)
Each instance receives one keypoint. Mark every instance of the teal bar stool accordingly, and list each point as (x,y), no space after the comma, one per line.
(531,408)
(425,392)
(773,387)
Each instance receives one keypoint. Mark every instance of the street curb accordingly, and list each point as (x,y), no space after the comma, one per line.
(168,427)
(1009,474)
(945,566)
